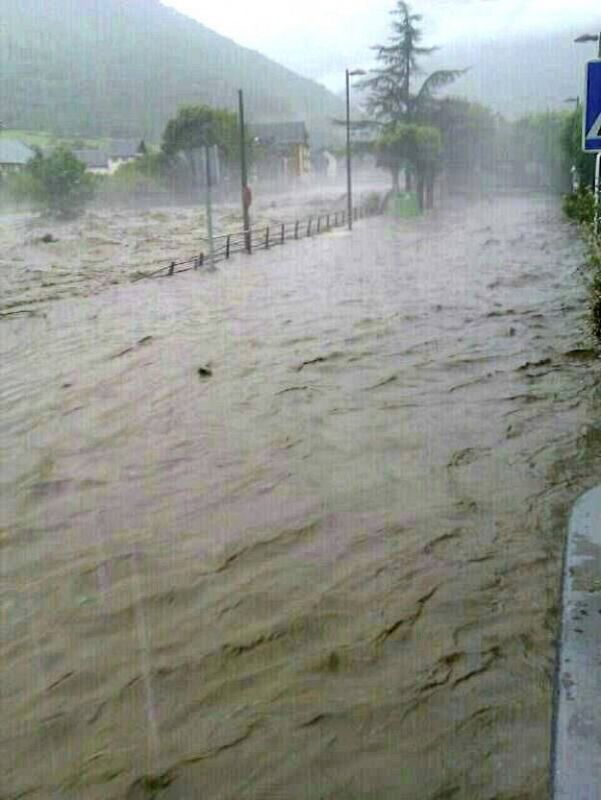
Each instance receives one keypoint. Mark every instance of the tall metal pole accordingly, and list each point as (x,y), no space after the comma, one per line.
(349,188)
(243,173)
(209,208)
(589,37)
(598,195)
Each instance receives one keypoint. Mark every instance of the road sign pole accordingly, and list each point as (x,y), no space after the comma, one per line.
(598,195)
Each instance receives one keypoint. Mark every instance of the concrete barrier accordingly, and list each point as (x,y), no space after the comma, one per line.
(576,756)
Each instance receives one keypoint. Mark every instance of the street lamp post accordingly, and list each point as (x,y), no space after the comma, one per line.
(204,148)
(244,174)
(349,188)
(209,207)
(590,37)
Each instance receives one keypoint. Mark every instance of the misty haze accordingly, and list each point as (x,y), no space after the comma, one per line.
(300,312)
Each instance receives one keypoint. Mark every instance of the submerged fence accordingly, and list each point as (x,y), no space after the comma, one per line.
(264,237)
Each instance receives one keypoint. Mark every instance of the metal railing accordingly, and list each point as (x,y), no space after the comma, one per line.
(263,237)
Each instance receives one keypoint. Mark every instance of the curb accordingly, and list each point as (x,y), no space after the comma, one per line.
(576,754)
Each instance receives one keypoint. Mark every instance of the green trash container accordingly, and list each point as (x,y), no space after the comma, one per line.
(405,204)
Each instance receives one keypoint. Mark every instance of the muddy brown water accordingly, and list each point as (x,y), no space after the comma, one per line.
(326,567)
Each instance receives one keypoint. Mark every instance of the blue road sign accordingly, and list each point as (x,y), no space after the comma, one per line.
(591,133)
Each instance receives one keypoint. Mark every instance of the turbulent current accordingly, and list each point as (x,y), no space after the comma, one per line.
(325,567)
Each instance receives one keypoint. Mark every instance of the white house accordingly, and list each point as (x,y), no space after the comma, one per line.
(96,161)
(107,162)
(122,151)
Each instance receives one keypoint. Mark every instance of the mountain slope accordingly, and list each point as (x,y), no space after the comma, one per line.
(122,67)
(532,72)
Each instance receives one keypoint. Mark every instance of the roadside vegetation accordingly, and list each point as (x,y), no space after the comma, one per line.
(579,206)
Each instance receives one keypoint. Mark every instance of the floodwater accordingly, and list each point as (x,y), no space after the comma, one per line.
(42,260)
(326,567)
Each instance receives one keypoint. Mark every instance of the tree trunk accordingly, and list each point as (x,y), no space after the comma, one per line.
(192,159)
(396,187)
(408,180)
(430,191)
(420,191)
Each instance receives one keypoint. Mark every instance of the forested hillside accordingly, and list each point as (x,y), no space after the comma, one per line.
(121,68)
(521,74)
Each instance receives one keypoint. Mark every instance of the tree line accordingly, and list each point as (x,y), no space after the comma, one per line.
(414,132)
(422,134)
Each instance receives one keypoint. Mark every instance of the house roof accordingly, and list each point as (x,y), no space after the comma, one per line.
(280,133)
(124,148)
(14,152)
(93,159)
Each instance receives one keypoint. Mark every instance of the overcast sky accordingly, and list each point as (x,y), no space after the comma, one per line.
(319,38)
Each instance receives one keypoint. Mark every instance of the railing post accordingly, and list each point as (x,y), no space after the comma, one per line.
(309,226)
(296,229)
(318,223)
(283,232)
(171,268)
(267,238)
(328,222)
(227,246)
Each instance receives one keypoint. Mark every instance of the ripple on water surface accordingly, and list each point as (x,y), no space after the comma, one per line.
(323,566)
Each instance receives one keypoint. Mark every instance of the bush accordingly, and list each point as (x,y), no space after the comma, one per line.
(145,177)
(57,183)
(580,206)
(372,204)
(571,142)
(593,242)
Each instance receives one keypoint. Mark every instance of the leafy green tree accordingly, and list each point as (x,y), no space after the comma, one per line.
(571,143)
(468,138)
(58,183)
(536,140)
(151,165)
(195,127)
(417,146)
(148,174)
(394,98)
